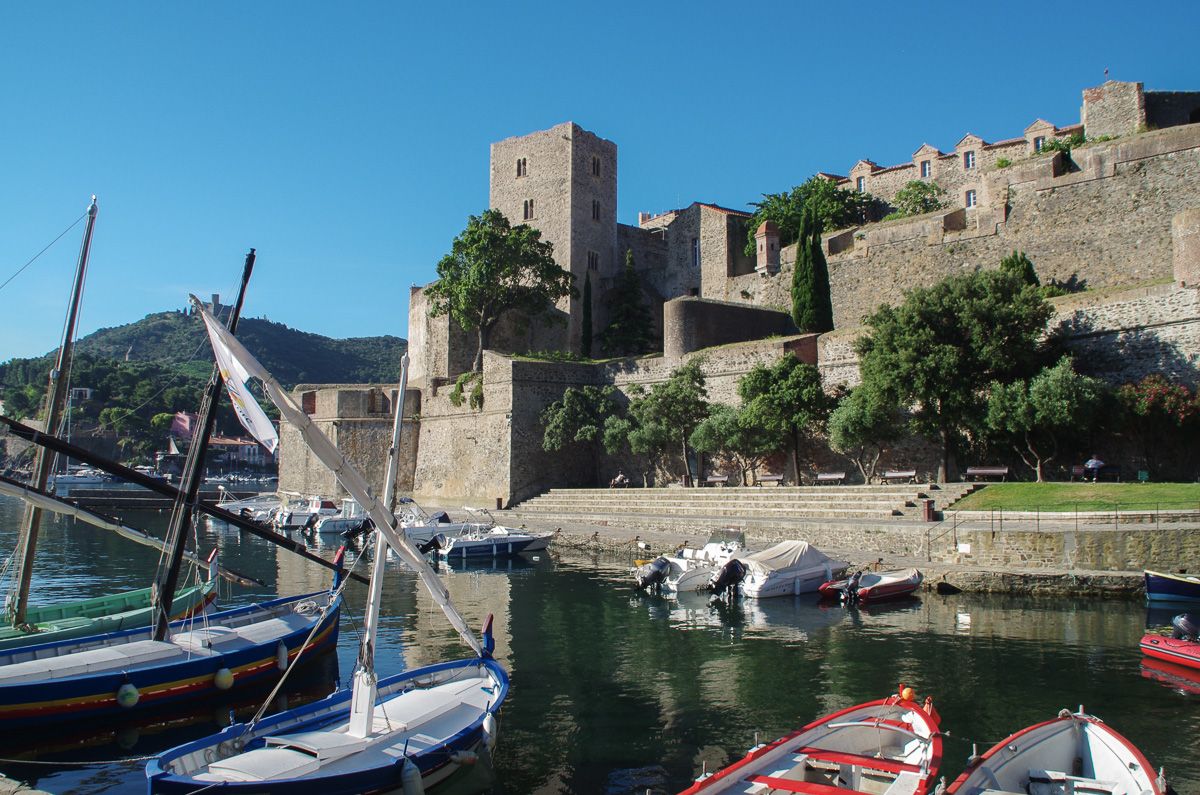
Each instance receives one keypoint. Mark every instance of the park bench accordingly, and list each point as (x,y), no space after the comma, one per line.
(898,476)
(835,478)
(979,473)
(776,479)
(1111,472)
(716,480)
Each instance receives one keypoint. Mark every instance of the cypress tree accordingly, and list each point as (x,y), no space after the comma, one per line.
(812,307)
(586,332)
(629,330)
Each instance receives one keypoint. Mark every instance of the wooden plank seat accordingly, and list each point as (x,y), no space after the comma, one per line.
(869,762)
(776,479)
(716,480)
(835,478)
(898,476)
(806,787)
(979,473)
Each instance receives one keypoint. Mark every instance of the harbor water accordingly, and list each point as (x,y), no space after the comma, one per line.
(616,692)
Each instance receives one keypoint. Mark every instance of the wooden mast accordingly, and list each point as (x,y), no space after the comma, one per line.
(43,462)
(193,475)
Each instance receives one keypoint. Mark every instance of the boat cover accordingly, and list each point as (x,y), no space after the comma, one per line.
(786,555)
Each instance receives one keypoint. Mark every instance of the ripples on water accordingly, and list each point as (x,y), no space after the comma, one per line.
(618,692)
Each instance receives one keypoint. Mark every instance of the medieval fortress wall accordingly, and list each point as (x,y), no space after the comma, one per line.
(1118,217)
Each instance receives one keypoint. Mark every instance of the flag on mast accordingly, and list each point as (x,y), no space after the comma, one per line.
(235,376)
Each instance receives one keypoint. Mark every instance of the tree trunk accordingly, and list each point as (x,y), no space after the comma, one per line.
(687,469)
(795,456)
(484,336)
(948,467)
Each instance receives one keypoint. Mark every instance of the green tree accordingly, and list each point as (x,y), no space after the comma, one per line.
(727,432)
(1020,267)
(812,307)
(787,401)
(938,352)
(664,417)
(917,197)
(1032,415)
(577,418)
(585,333)
(629,328)
(494,268)
(862,428)
(834,207)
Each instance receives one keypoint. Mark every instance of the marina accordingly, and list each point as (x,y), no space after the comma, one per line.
(615,691)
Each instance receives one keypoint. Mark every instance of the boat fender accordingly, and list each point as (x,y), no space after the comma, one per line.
(464,757)
(489,731)
(223,679)
(281,656)
(410,778)
(128,695)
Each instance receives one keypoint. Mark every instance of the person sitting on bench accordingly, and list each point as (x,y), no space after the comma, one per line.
(619,482)
(1092,467)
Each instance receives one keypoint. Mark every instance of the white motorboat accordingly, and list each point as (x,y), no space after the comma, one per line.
(493,542)
(298,515)
(786,569)
(691,569)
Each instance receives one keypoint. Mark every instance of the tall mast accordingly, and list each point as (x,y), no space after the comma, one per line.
(55,399)
(362,703)
(193,474)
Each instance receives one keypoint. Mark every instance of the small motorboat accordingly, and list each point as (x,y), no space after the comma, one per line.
(1161,587)
(891,746)
(690,569)
(1182,647)
(786,569)
(1074,752)
(492,542)
(299,515)
(869,587)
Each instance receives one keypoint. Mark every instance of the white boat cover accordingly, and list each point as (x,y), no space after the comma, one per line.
(785,555)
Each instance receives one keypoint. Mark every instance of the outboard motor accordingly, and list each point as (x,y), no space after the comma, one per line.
(435,543)
(363,527)
(653,573)
(440,517)
(850,592)
(730,576)
(1187,627)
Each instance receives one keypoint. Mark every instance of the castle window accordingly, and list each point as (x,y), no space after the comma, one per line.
(308,402)
(861,184)
(595,209)
(522,167)
(925,169)
(595,166)
(528,209)
(970,198)
(1038,143)
(695,252)
(593,261)
(968,160)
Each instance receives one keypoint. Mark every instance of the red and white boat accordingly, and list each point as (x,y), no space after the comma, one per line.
(1173,650)
(1072,753)
(873,586)
(887,747)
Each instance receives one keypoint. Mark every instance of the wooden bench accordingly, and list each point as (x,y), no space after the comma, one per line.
(869,762)
(978,473)
(806,787)
(835,478)
(898,476)
(1110,472)
(776,479)
(715,480)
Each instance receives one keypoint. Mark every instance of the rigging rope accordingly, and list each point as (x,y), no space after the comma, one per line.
(43,251)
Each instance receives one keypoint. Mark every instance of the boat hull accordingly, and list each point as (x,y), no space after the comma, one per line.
(785,584)
(1162,587)
(39,702)
(1172,650)
(877,587)
(462,548)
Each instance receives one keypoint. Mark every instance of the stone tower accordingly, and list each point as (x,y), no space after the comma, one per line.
(562,181)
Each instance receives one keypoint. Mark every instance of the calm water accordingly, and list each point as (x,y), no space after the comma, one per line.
(617,692)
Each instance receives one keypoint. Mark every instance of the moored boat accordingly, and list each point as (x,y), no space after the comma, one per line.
(1182,647)
(690,569)
(873,586)
(493,542)
(1074,752)
(786,569)
(1162,587)
(887,747)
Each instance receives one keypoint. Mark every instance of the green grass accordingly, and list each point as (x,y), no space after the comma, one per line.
(1082,497)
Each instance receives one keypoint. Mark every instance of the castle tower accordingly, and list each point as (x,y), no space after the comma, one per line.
(766,238)
(562,181)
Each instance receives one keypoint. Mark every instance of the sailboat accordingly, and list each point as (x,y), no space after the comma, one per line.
(29,624)
(407,731)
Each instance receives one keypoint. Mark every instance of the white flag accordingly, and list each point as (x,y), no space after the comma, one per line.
(235,376)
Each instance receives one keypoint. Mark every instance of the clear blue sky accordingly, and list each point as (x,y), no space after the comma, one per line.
(348,142)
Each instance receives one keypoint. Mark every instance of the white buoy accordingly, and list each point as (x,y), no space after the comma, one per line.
(410,779)
(223,679)
(281,656)
(489,731)
(128,695)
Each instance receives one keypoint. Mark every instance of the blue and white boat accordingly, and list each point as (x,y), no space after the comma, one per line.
(1161,587)
(490,542)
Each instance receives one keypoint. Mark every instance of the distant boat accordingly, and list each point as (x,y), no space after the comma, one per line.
(871,587)
(890,746)
(1161,587)
(1074,752)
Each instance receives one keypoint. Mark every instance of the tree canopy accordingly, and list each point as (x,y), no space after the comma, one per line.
(662,418)
(833,207)
(915,198)
(862,427)
(494,268)
(577,418)
(728,432)
(787,401)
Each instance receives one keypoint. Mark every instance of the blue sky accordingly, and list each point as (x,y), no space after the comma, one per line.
(348,142)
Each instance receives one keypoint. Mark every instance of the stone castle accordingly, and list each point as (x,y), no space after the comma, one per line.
(1117,218)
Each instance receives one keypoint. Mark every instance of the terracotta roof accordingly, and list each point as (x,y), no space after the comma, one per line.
(725,210)
(827,175)
(229,441)
(1005,142)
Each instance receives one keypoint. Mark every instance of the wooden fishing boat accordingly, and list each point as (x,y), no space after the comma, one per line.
(1074,752)
(1161,587)
(887,747)
(873,586)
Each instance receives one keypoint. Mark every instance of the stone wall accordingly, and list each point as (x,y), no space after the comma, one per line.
(694,323)
(1114,108)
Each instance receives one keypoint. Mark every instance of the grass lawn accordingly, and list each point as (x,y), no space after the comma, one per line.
(1082,497)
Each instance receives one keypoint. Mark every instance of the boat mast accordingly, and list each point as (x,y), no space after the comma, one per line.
(55,400)
(193,474)
(362,703)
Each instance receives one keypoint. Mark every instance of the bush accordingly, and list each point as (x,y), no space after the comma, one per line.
(917,197)
(1003,162)
(475,398)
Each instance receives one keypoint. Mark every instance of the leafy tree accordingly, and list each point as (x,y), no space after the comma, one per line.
(629,328)
(638,433)
(787,401)
(585,336)
(915,198)
(1020,267)
(494,268)
(862,428)
(834,207)
(938,352)
(664,417)
(1163,418)
(812,307)
(726,431)
(1032,415)
(578,418)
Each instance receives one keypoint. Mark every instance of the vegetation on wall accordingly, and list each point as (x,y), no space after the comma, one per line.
(834,208)
(915,198)
(468,387)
